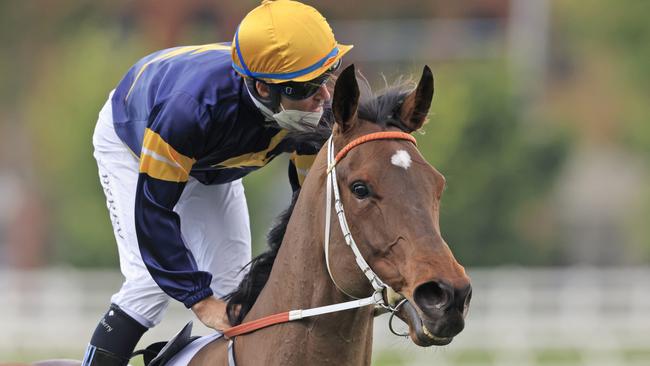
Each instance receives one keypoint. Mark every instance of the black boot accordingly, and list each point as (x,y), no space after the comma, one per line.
(100,357)
(114,339)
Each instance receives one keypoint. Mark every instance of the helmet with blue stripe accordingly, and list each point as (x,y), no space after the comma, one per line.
(284,40)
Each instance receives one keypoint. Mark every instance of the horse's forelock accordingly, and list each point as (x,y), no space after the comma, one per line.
(383,106)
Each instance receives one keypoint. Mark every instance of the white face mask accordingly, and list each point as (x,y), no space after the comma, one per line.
(290,119)
(295,120)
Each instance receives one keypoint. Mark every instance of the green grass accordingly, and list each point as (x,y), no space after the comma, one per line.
(471,357)
(389,359)
(485,357)
(558,356)
(30,356)
(636,355)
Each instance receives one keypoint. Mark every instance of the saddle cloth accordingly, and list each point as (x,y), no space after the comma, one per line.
(180,350)
(184,356)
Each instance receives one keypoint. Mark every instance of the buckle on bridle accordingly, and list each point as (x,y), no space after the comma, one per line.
(392,301)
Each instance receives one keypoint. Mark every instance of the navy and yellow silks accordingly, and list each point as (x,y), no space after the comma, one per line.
(184,113)
(160,160)
(302,164)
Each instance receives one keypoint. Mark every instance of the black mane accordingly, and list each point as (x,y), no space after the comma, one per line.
(382,109)
(242,299)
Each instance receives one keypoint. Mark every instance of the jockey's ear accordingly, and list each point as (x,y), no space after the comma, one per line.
(262,89)
(346,98)
(415,107)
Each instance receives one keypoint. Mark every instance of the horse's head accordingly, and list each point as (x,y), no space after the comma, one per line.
(392,197)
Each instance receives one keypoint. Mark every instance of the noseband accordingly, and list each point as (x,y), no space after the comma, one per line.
(377,298)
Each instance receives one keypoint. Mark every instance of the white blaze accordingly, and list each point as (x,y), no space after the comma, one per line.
(401,159)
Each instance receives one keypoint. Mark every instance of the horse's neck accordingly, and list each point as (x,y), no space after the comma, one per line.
(299,280)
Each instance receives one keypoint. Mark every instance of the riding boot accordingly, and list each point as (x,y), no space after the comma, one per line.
(114,339)
(100,357)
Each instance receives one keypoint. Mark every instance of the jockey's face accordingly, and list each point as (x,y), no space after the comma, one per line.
(314,103)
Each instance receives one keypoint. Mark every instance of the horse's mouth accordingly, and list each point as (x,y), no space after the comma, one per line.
(425,338)
(434,341)
(420,329)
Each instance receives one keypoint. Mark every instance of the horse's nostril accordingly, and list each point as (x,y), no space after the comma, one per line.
(433,295)
(464,296)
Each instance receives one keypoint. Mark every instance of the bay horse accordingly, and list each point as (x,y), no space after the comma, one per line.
(391,197)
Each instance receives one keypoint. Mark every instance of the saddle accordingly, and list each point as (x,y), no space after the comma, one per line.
(159,353)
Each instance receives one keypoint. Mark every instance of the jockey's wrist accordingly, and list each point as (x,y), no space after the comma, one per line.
(209,304)
(212,312)
(200,295)
(202,304)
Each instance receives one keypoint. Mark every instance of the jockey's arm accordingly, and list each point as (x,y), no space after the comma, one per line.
(168,153)
(299,166)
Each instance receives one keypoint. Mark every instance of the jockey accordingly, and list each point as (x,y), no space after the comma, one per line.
(172,143)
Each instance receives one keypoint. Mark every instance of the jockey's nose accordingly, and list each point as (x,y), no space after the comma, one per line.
(322,94)
(436,297)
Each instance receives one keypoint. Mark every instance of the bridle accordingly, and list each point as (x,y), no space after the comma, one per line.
(331,186)
(377,298)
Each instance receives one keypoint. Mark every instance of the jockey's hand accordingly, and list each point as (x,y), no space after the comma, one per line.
(212,312)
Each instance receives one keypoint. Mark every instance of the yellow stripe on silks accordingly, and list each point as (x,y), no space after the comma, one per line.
(161,170)
(176,52)
(303,163)
(259,158)
(161,161)
(153,142)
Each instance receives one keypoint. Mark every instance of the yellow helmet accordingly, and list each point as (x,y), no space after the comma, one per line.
(285,40)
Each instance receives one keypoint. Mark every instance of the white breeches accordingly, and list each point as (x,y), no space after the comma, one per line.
(214,226)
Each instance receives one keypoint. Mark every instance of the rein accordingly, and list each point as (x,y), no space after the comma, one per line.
(377,298)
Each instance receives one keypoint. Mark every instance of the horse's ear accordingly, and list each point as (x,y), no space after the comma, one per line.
(416,105)
(346,98)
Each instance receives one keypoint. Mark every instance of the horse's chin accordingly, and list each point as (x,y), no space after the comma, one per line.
(419,329)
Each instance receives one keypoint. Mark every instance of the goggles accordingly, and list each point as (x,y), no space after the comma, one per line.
(302,90)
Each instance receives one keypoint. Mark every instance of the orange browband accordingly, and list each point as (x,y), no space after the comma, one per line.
(386,135)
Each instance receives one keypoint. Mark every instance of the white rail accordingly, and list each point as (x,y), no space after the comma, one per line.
(517,317)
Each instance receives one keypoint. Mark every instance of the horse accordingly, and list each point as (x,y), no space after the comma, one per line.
(387,199)
(392,200)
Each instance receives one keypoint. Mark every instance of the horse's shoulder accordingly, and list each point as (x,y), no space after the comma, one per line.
(214,353)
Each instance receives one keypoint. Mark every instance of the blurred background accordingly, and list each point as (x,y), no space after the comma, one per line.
(538,123)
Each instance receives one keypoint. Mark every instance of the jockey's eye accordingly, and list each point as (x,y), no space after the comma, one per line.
(360,189)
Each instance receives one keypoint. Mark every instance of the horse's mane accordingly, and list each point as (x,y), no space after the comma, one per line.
(383,107)
(378,108)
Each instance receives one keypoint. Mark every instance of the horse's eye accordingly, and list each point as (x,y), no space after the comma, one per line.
(360,189)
